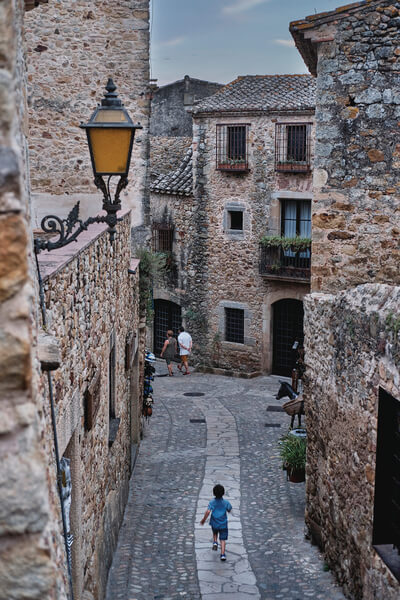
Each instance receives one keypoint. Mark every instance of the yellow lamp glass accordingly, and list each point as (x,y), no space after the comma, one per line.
(111,116)
(110,149)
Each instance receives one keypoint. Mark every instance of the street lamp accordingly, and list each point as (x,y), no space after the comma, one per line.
(110,134)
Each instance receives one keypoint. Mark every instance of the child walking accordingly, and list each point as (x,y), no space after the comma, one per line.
(219,520)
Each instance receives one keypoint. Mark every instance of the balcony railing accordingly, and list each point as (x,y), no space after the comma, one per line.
(277,262)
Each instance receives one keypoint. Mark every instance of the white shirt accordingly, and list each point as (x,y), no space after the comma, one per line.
(185,342)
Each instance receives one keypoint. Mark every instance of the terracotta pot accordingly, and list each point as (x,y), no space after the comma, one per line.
(296,475)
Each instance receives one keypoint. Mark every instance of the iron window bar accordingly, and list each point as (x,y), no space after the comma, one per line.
(293,147)
(232,147)
(234,325)
(162,237)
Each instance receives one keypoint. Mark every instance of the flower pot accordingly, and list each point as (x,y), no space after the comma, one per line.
(296,475)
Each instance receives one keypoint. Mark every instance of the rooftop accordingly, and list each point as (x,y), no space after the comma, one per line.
(178,182)
(262,93)
(301,30)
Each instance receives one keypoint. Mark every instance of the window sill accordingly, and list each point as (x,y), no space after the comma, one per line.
(293,168)
(233,168)
(234,232)
(113,431)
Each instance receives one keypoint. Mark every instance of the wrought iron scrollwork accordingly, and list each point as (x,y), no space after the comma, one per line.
(67,230)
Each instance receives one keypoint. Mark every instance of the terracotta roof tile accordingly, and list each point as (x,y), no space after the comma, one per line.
(178,182)
(262,93)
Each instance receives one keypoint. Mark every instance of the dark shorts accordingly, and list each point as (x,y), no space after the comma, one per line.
(168,360)
(223,533)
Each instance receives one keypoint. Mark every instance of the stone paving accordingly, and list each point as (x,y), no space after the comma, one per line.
(190,443)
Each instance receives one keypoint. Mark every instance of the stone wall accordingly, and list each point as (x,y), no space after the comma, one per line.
(92,305)
(356,234)
(171,104)
(352,344)
(27,548)
(166,154)
(73,47)
(352,349)
(223,269)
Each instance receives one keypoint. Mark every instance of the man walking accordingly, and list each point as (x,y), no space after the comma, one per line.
(185,348)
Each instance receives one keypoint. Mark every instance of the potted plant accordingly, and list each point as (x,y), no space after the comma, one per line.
(292,449)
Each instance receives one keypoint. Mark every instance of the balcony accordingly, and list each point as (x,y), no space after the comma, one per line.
(279,260)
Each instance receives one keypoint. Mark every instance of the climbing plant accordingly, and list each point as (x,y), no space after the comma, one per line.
(152,267)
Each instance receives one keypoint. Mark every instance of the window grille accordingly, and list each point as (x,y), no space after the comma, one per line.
(232,148)
(235,220)
(234,325)
(293,147)
(163,237)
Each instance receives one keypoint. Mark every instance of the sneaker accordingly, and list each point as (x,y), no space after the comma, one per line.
(223,557)
(215,546)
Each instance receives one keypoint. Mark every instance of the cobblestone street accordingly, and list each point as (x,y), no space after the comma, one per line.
(224,434)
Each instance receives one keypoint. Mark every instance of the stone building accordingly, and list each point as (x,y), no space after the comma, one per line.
(94,323)
(252,178)
(171,121)
(26,564)
(352,315)
(72,49)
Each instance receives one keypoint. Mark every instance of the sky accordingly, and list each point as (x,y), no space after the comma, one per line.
(217,40)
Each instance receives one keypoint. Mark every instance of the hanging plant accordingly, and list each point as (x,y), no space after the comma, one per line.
(295,244)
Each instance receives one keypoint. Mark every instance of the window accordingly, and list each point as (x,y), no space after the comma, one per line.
(386,528)
(292,147)
(232,147)
(234,325)
(296,222)
(296,218)
(235,220)
(111,382)
(163,237)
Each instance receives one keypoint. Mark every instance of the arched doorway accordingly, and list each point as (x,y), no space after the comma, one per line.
(288,317)
(167,315)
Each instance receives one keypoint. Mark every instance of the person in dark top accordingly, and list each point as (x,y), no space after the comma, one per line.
(169,350)
(219,520)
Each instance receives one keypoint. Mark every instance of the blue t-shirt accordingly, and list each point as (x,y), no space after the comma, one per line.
(219,508)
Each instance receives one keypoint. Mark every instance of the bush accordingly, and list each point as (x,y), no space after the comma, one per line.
(292,450)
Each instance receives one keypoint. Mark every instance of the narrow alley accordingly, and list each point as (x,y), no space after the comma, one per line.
(207,429)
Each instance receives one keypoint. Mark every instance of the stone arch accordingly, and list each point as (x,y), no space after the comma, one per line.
(295,293)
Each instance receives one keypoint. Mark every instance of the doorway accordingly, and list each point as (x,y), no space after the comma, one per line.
(288,318)
(167,315)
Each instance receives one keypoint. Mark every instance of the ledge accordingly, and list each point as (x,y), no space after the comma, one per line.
(228,372)
(52,261)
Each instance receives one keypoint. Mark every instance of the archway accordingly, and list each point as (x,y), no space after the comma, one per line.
(167,315)
(288,317)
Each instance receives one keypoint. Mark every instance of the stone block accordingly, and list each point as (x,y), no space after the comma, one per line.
(13,255)
(26,570)
(15,367)
(23,490)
